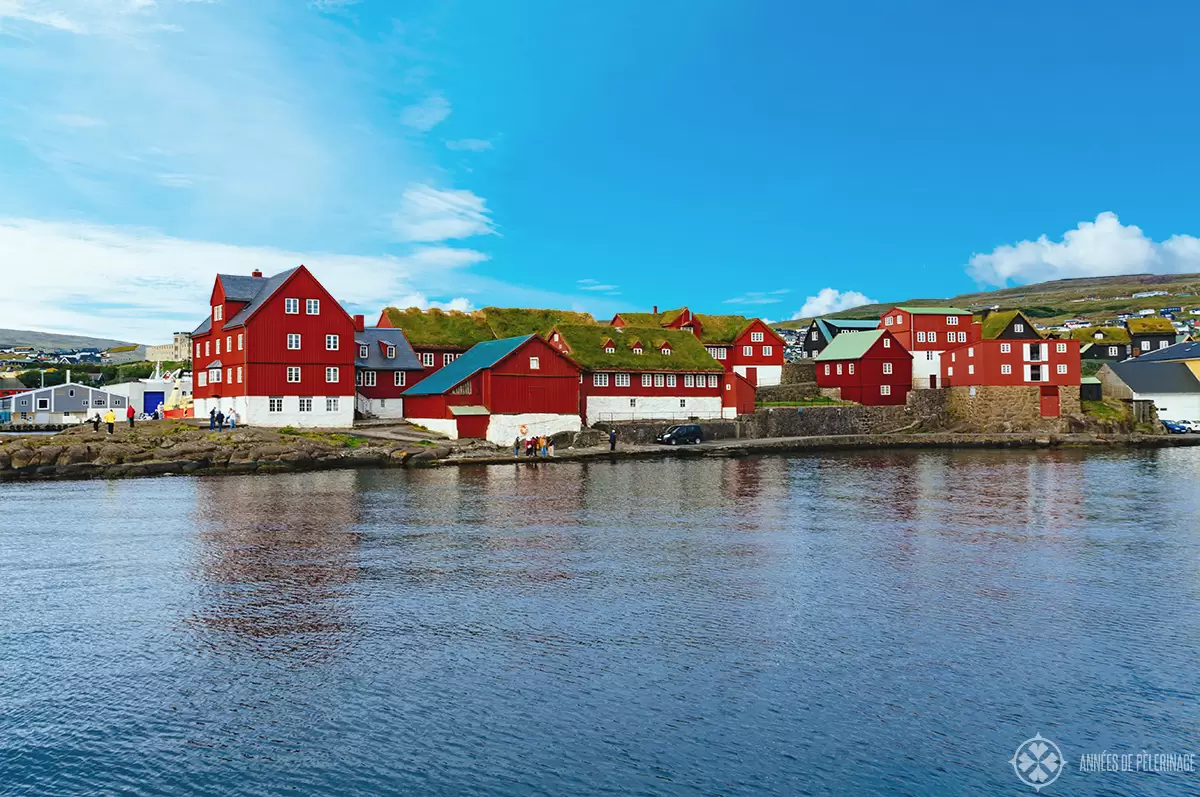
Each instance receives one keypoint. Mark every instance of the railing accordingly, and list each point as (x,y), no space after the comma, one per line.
(362,405)
(658,416)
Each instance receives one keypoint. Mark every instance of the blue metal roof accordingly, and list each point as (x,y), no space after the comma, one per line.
(1179,351)
(480,356)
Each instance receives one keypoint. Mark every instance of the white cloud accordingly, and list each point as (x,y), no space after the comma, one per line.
(139,285)
(426,114)
(469,144)
(758,297)
(1104,247)
(595,285)
(831,300)
(427,214)
(460,303)
(77,16)
(78,120)
(176,180)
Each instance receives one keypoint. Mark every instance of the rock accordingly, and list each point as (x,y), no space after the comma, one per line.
(72,455)
(21,458)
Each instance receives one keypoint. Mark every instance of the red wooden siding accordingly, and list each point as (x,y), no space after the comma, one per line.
(905,326)
(864,384)
(982,363)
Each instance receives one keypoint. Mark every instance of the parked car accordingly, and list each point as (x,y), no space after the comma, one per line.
(682,433)
(1191,426)
(1173,427)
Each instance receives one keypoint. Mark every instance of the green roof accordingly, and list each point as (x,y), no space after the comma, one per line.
(1089,380)
(1149,326)
(506,322)
(722,328)
(454,329)
(998,321)
(1110,334)
(585,345)
(850,345)
(482,355)
(647,319)
(908,308)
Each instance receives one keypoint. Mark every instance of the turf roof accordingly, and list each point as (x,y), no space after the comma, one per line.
(1150,326)
(454,329)
(1110,334)
(507,322)
(998,321)
(722,328)
(586,346)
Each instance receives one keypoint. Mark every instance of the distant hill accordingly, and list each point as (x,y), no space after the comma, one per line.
(1091,298)
(51,341)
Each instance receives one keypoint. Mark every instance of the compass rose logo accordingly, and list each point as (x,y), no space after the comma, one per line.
(1038,762)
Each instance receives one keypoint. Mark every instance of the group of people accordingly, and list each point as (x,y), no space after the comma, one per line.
(110,419)
(540,446)
(217,419)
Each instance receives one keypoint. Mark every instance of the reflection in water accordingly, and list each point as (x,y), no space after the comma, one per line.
(839,623)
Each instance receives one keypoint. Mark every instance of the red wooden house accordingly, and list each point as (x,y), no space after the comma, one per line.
(647,373)
(747,346)
(499,390)
(1048,364)
(279,350)
(867,367)
(384,367)
(927,332)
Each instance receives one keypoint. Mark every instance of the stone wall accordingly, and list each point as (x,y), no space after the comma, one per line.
(645,431)
(806,421)
(1006,409)
(794,391)
(799,373)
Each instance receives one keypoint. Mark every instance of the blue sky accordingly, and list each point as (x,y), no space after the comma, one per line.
(761,158)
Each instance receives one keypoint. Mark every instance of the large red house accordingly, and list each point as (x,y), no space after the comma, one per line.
(648,373)
(1048,364)
(499,390)
(927,332)
(278,350)
(384,367)
(747,346)
(867,367)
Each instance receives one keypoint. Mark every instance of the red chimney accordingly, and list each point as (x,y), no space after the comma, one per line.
(256,273)
(360,323)
(656,309)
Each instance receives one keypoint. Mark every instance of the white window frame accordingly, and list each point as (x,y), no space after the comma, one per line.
(293,337)
(621,380)
(331,403)
(839,369)
(887,368)
(217,311)
(239,374)
(369,379)
(332,342)
(1005,369)
(312,306)
(768,351)
(689,380)
(920,337)
(826,369)
(747,351)
(647,380)
(1018,327)
(887,343)
(447,358)
(1113,351)
(712,380)
(671,380)
(660,380)
(951,320)
(275,404)
(962,337)
(427,359)
(756,337)
(390,351)
(241,339)
(218,347)
(400,379)
(332,371)
(303,407)
(535,364)
(931,337)
(293,371)
(291,306)
(850,368)
(1005,348)
(1062,368)
(599,380)
(201,379)
(885,390)
(364,352)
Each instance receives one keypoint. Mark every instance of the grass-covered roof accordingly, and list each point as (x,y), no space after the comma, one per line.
(996,322)
(1150,326)
(507,322)
(722,328)
(455,329)
(585,344)
(1107,334)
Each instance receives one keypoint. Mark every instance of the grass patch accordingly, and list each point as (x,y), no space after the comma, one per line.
(1110,410)
(815,401)
(331,438)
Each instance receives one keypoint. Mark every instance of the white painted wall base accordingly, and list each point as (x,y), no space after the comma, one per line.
(503,429)
(447,427)
(650,408)
(385,408)
(1174,406)
(729,413)
(924,367)
(254,411)
(767,374)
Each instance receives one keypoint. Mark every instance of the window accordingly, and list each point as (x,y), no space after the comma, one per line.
(427,359)
(971,352)
(1145,345)
(390,352)
(239,374)
(970,369)
(275,404)
(962,337)
(712,380)
(665,351)
(214,375)
(1062,368)
(683,403)
(1006,369)
(1061,348)
(535,364)
(609,350)
(756,337)
(887,368)
(291,306)
(71,392)
(240,340)
(358,378)
(690,381)
(1162,344)
(400,378)
(368,378)
(217,312)
(768,351)
(600,380)
(293,341)
(229,375)
(952,320)
(293,373)
(932,337)
(953,357)
(1018,327)
(637,349)
(660,380)
(462,390)
(950,371)
(197,349)
(43,403)
(887,343)
(712,351)
(312,307)
(332,343)
(851,367)
(747,351)
(201,379)
(633,402)
(1005,348)
(920,337)
(448,358)
(364,352)
(647,380)
(331,375)
(331,404)
(228,343)
(671,380)
(1112,351)
(207,350)
(888,321)
(722,352)
(826,369)
(839,369)
(885,390)
(622,380)
(306,405)
(218,347)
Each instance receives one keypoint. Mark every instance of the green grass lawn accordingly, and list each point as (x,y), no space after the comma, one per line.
(1110,410)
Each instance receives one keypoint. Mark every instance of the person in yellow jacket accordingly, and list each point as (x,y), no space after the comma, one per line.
(110,420)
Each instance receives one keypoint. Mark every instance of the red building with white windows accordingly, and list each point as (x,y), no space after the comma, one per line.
(867,367)
(499,390)
(643,373)
(278,350)
(747,346)
(1047,364)
(927,332)
(384,367)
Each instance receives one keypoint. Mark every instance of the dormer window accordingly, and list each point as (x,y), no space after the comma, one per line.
(217,311)
(391,352)
(637,349)
(665,351)
(610,349)
(364,352)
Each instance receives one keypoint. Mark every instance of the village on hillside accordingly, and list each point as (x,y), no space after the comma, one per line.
(279,351)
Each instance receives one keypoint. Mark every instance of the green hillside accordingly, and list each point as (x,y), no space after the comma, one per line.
(51,341)
(1095,299)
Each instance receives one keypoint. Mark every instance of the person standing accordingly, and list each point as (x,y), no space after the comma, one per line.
(220,421)
(542,446)
(96,422)
(212,419)
(110,420)
(550,445)
(129,414)
(233,419)
(529,446)
(517,446)
(612,440)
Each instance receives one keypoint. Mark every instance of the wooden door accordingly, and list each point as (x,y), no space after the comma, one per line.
(1049,401)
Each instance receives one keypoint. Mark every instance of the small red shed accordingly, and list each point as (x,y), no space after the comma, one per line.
(867,367)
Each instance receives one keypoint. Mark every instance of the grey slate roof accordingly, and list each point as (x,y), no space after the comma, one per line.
(240,288)
(1156,377)
(1179,351)
(266,289)
(205,326)
(372,337)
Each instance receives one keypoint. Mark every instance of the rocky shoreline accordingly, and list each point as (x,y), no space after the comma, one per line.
(173,448)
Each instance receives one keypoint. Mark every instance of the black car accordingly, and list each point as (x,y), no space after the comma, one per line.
(684,433)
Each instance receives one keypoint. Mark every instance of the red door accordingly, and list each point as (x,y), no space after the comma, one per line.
(752,376)
(933,381)
(1050,408)
(474,426)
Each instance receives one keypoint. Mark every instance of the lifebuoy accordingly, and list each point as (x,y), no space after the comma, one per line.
(524,429)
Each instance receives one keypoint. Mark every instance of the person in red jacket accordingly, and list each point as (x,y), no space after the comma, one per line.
(129,415)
